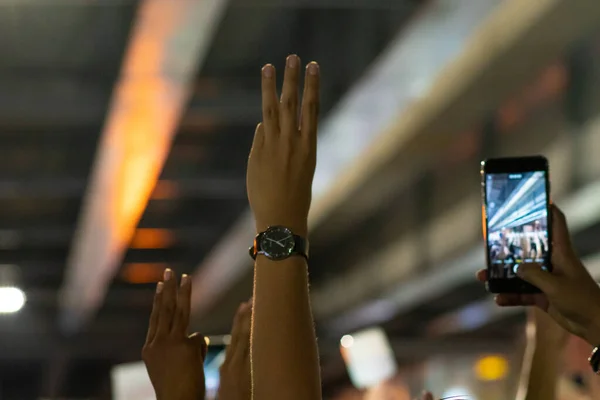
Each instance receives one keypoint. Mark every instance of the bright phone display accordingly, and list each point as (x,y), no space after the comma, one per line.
(212,363)
(516,209)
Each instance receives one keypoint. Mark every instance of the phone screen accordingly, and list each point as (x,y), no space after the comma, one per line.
(517,221)
(212,363)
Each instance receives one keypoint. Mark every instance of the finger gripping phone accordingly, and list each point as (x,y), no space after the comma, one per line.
(516,220)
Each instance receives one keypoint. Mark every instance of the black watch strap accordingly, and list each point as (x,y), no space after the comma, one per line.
(594,360)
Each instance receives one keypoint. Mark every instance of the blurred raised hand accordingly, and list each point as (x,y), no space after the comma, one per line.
(174,359)
(570,295)
(236,379)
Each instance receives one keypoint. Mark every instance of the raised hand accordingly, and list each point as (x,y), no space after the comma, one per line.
(236,379)
(570,295)
(173,359)
(283,157)
(285,362)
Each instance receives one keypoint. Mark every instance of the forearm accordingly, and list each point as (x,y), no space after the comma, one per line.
(544,372)
(284,346)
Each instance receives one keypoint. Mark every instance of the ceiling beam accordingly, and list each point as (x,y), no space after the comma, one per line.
(503,55)
(169,41)
(397,295)
(73,187)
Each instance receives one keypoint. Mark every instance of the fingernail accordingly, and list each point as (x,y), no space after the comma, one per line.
(184,279)
(159,287)
(268,70)
(313,68)
(168,274)
(292,61)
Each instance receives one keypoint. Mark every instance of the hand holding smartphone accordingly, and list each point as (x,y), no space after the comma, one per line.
(516,220)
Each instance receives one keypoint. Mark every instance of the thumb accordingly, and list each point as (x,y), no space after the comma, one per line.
(534,274)
(200,342)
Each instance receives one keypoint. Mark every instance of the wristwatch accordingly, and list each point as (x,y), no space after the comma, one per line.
(594,360)
(278,243)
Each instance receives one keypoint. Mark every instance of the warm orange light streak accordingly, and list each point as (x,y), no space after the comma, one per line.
(168,41)
(148,238)
(141,273)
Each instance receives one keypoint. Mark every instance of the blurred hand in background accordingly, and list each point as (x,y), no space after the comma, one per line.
(236,379)
(174,360)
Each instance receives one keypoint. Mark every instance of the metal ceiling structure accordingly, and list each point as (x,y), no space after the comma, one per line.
(385,244)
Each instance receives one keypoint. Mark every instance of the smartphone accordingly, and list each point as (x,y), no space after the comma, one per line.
(215,356)
(516,220)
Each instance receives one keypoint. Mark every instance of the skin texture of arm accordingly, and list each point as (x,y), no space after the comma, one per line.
(285,362)
(289,362)
(541,364)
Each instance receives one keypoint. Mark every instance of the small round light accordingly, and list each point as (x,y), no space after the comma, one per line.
(491,368)
(12,299)
(347,341)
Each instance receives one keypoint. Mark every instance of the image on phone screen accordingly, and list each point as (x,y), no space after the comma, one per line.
(517,221)
(215,356)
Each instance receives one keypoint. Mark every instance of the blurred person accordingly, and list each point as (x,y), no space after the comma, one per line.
(577,374)
(541,239)
(174,359)
(569,294)
(527,243)
(235,381)
(285,361)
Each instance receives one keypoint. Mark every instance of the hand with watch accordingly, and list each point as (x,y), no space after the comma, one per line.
(281,166)
(569,294)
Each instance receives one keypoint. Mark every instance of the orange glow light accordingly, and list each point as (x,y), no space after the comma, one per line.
(140,273)
(147,238)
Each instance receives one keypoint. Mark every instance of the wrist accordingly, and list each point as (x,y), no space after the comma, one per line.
(298,227)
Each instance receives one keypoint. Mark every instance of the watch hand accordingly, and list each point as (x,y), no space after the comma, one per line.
(275,241)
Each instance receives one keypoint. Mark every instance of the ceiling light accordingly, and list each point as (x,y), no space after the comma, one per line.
(12,299)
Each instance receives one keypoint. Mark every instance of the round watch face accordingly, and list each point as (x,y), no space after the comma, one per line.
(277,242)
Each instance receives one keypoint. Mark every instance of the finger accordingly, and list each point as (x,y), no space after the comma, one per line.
(153,325)
(528,299)
(182,314)
(259,137)
(427,396)
(168,305)
(563,254)
(242,350)
(481,275)
(310,105)
(235,333)
(543,280)
(508,300)
(288,107)
(199,341)
(270,105)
